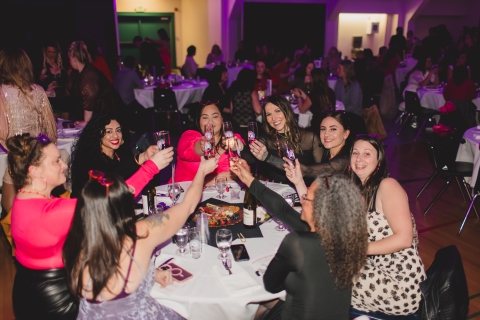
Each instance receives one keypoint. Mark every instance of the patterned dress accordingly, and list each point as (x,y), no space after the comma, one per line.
(389,283)
(137,305)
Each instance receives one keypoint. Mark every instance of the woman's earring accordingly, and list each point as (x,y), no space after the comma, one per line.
(122,142)
(348,168)
(378,168)
(33,186)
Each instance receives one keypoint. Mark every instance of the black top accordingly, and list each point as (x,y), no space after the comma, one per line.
(150,56)
(300,267)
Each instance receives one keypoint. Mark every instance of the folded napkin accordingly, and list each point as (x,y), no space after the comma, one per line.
(447,108)
(278,187)
(239,283)
(442,130)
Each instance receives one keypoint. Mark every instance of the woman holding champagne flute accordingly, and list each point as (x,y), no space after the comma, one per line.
(208,140)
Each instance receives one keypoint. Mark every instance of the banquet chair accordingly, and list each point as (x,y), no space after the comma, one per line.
(476,190)
(442,152)
(413,108)
(165,102)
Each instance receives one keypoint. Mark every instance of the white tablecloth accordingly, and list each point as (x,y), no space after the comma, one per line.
(332,82)
(204,296)
(433,99)
(185,94)
(469,152)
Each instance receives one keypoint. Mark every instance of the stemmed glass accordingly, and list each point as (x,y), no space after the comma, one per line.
(162,138)
(252,131)
(288,153)
(181,239)
(174,192)
(209,150)
(228,129)
(221,184)
(290,200)
(233,151)
(224,241)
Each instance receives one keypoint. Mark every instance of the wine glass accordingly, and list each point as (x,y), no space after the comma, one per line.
(228,129)
(209,150)
(181,239)
(290,200)
(252,131)
(174,192)
(224,241)
(288,153)
(162,138)
(221,184)
(233,150)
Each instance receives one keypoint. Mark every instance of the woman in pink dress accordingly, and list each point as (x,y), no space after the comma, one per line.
(192,145)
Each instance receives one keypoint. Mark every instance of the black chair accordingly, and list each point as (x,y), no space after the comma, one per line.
(413,108)
(164,101)
(442,152)
(476,190)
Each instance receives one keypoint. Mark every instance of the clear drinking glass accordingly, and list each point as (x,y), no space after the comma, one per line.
(288,153)
(181,239)
(174,192)
(252,131)
(224,241)
(233,150)
(228,129)
(195,243)
(290,199)
(209,149)
(162,138)
(221,184)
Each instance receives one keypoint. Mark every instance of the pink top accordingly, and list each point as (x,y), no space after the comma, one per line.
(40,226)
(188,161)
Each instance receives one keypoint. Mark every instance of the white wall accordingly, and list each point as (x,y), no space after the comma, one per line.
(355,25)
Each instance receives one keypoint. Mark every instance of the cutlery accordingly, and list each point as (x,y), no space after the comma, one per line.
(227,264)
(241,237)
(167,261)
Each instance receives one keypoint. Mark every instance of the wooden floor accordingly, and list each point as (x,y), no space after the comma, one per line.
(409,164)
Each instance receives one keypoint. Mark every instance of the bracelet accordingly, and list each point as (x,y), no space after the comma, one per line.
(137,159)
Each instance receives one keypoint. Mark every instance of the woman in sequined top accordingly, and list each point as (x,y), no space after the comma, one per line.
(24,107)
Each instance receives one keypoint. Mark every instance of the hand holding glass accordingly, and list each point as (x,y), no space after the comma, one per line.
(162,138)
(209,146)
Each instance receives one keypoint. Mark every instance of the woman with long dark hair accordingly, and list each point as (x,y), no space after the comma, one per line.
(280,126)
(24,107)
(108,256)
(40,223)
(390,282)
(192,144)
(101,146)
(217,89)
(245,102)
(347,89)
(262,75)
(318,262)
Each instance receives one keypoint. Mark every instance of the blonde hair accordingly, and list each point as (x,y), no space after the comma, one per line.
(78,50)
(58,58)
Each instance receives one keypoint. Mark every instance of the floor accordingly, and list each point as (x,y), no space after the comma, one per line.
(408,163)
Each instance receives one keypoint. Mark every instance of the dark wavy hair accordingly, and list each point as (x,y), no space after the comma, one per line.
(216,74)
(374,179)
(293,133)
(16,70)
(245,81)
(199,116)
(349,71)
(23,151)
(320,89)
(338,202)
(87,148)
(100,226)
(342,118)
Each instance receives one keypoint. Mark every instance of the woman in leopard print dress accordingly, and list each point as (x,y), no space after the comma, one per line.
(390,281)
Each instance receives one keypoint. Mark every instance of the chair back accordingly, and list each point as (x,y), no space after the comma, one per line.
(445,292)
(468,113)
(164,100)
(412,103)
(203,73)
(442,151)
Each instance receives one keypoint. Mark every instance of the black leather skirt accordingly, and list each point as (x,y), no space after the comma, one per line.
(42,294)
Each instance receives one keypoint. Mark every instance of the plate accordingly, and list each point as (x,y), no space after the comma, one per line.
(220,215)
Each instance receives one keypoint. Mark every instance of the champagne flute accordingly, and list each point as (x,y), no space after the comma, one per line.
(288,153)
(224,241)
(228,129)
(252,131)
(162,138)
(174,192)
(233,151)
(220,184)
(208,150)
(181,239)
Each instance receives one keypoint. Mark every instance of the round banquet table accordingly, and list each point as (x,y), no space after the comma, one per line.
(211,293)
(65,140)
(305,119)
(469,152)
(433,99)
(187,92)
(232,71)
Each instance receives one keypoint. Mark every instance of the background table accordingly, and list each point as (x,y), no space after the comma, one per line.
(232,71)
(469,152)
(433,99)
(185,93)
(204,296)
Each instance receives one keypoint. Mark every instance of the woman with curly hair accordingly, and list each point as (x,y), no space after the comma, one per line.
(317,263)
(100,146)
(390,281)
